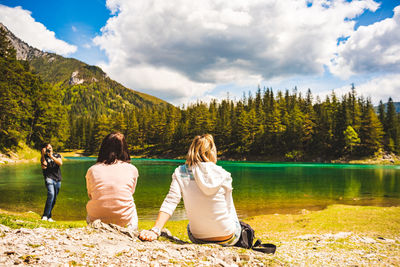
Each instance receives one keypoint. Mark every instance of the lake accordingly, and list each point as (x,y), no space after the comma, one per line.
(259,188)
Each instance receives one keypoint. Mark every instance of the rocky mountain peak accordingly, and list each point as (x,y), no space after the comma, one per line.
(24,50)
(74,80)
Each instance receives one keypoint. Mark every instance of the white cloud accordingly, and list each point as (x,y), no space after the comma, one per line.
(189,47)
(160,82)
(372,48)
(378,88)
(21,23)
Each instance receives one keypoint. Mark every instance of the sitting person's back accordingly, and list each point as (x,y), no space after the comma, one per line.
(110,189)
(207,193)
(111,183)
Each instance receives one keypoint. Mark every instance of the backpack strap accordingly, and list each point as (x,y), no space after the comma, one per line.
(264,248)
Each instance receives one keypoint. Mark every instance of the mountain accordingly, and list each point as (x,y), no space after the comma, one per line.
(86,89)
(396,105)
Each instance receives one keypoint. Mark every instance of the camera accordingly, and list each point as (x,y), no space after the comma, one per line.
(47,151)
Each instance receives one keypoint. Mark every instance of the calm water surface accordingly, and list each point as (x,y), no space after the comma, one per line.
(259,188)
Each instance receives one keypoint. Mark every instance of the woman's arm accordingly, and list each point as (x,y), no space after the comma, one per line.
(57,160)
(228,197)
(135,174)
(230,205)
(88,187)
(167,209)
(150,235)
(42,160)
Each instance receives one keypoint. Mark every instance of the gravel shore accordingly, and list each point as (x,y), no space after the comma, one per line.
(102,244)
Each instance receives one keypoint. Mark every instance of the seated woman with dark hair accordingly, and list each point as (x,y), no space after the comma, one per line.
(111,183)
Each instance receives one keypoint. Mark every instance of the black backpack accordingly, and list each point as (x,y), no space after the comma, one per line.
(247,237)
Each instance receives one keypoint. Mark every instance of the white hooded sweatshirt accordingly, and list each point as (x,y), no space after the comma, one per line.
(207,194)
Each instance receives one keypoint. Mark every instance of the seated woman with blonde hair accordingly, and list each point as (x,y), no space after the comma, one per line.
(111,182)
(207,194)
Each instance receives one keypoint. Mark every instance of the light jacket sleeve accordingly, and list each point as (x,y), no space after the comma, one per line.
(173,197)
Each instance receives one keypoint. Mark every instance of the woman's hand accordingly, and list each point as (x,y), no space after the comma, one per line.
(150,235)
(147,235)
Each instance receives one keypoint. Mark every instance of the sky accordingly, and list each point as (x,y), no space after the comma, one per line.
(184,51)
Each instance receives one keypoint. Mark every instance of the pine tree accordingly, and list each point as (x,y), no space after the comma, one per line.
(274,128)
(351,139)
(390,126)
(243,135)
(223,127)
(101,130)
(354,109)
(381,113)
(371,131)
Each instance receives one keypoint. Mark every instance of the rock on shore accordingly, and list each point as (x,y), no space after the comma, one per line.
(105,245)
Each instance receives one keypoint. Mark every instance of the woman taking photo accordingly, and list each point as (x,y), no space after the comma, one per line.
(111,183)
(207,194)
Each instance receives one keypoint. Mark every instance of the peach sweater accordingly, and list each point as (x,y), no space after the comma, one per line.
(110,189)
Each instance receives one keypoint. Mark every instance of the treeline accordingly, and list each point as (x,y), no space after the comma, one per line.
(282,126)
(31,110)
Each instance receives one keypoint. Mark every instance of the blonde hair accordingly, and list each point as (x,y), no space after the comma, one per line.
(202,149)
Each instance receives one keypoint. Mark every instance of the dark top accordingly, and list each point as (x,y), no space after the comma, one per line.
(52,171)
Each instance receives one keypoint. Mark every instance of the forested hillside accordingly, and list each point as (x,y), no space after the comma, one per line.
(75,111)
(31,110)
(77,90)
(80,83)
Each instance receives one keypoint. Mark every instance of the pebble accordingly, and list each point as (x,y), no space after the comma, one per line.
(367,240)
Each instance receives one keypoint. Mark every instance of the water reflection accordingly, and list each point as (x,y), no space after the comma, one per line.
(259,188)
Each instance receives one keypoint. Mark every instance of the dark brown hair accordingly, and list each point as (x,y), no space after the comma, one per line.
(113,148)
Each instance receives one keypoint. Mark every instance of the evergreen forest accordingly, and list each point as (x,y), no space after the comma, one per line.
(269,124)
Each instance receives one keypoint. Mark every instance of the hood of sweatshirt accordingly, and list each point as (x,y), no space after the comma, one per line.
(210,177)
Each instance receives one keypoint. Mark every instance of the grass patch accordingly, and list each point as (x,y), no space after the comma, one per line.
(366,220)
(76,153)
(33,220)
(25,152)
(363,220)
(21,153)
(72,153)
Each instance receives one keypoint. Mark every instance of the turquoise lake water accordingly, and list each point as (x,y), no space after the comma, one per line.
(259,188)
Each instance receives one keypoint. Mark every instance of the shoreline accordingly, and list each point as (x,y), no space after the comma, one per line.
(339,235)
(28,155)
(6,161)
(393,160)
(381,158)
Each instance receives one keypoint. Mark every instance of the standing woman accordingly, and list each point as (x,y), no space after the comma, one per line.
(207,194)
(51,163)
(111,183)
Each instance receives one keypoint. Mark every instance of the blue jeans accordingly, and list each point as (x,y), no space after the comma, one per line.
(53,187)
